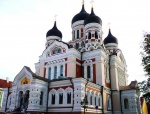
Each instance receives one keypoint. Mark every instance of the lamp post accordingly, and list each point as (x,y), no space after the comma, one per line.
(84,103)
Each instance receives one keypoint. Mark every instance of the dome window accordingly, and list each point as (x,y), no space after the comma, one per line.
(77,34)
(89,35)
(96,35)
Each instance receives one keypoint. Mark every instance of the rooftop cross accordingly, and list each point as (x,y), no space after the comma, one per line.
(109,25)
(55,17)
(82,1)
(92,1)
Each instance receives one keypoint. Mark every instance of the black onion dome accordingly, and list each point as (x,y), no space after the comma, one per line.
(54,31)
(92,18)
(110,39)
(82,15)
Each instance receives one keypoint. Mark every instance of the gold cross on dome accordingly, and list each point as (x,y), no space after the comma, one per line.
(55,17)
(92,1)
(109,25)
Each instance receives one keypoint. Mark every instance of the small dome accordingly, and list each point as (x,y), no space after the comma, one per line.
(110,39)
(54,31)
(80,16)
(92,18)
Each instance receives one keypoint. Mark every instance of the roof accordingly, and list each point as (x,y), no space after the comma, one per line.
(92,18)
(54,31)
(36,76)
(82,15)
(131,86)
(110,38)
(4,84)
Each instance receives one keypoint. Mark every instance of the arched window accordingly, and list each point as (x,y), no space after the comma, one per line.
(61,70)
(126,103)
(55,72)
(59,50)
(41,98)
(68,98)
(49,73)
(88,72)
(89,35)
(96,35)
(60,98)
(53,99)
(77,45)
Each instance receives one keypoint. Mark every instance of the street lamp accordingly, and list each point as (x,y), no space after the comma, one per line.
(84,103)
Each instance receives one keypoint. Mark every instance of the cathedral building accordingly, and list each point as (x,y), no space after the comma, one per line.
(85,75)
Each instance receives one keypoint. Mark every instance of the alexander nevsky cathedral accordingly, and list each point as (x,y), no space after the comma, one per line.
(85,75)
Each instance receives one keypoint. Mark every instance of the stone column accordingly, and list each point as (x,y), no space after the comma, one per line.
(79,93)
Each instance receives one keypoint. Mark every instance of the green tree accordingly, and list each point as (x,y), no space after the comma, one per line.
(144,86)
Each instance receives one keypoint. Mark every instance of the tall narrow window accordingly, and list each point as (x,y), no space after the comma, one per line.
(49,73)
(77,45)
(90,100)
(126,103)
(41,98)
(109,103)
(55,72)
(89,35)
(59,50)
(96,35)
(99,102)
(61,98)
(53,99)
(68,98)
(95,101)
(61,70)
(77,34)
(88,72)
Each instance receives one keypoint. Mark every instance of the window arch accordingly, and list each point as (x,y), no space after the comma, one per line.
(126,103)
(89,35)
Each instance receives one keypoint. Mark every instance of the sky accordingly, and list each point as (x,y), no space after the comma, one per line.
(24,24)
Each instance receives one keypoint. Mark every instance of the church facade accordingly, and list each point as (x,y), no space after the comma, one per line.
(87,74)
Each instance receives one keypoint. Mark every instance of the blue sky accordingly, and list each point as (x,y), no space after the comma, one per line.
(24,23)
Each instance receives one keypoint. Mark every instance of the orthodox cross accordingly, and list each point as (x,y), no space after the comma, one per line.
(92,3)
(109,25)
(55,17)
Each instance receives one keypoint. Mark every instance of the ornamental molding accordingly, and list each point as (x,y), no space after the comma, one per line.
(60,83)
(81,22)
(107,90)
(94,54)
(94,25)
(70,53)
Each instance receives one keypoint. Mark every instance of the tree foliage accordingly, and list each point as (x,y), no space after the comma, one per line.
(144,86)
